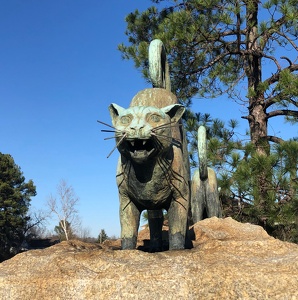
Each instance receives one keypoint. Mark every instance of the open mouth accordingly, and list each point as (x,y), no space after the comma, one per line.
(140,149)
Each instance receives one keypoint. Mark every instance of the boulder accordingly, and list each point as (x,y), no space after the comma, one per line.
(229,260)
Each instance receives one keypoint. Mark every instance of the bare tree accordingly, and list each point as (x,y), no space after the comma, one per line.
(65,207)
(36,225)
(83,233)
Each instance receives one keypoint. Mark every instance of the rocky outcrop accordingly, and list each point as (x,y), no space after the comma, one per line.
(229,260)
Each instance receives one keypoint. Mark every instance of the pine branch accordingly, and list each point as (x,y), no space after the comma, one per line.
(275,77)
(280,96)
(267,34)
(282,112)
(274,139)
(288,39)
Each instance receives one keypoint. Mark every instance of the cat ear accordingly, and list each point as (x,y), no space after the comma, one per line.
(175,112)
(115,111)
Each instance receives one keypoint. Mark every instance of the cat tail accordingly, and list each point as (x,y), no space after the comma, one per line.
(202,151)
(158,65)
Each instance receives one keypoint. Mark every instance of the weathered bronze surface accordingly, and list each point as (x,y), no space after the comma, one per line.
(204,191)
(153,170)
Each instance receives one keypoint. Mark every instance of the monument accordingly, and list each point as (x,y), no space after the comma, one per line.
(153,170)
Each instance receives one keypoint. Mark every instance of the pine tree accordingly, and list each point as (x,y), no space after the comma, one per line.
(218,47)
(15,197)
(231,47)
(102,236)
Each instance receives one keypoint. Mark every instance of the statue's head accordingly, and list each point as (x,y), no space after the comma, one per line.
(144,132)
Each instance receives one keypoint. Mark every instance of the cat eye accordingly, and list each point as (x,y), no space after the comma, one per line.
(125,120)
(155,118)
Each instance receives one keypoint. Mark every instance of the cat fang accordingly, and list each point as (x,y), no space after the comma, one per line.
(140,150)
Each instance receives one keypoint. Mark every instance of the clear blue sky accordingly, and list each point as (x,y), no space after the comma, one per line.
(59,71)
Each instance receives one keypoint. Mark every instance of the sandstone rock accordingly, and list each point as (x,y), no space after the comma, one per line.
(229,260)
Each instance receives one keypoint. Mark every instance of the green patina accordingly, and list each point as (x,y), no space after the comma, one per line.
(153,170)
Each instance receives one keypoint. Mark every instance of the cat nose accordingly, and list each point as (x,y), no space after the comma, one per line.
(137,129)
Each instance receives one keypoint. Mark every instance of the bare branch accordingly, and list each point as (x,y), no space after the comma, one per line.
(282,112)
(287,59)
(213,62)
(278,97)
(274,139)
(249,118)
(288,39)
(36,221)
(274,59)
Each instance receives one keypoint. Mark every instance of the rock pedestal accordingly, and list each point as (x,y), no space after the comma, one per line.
(229,260)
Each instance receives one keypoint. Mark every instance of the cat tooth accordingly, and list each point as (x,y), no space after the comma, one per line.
(132,143)
(144,142)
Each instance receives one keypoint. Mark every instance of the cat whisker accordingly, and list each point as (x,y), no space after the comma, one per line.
(167,165)
(169,138)
(157,143)
(170,124)
(162,136)
(108,125)
(120,141)
(176,143)
(163,126)
(104,130)
(112,137)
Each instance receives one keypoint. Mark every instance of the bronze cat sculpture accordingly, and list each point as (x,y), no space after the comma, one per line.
(151,174)
(153,170)
(204,192)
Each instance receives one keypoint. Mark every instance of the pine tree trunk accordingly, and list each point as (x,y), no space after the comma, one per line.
(257,111)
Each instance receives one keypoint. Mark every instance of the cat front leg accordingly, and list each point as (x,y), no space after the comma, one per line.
(155,220)
(129,221)
(177,214)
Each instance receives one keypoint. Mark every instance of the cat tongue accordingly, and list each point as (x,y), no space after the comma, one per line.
(140,153)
